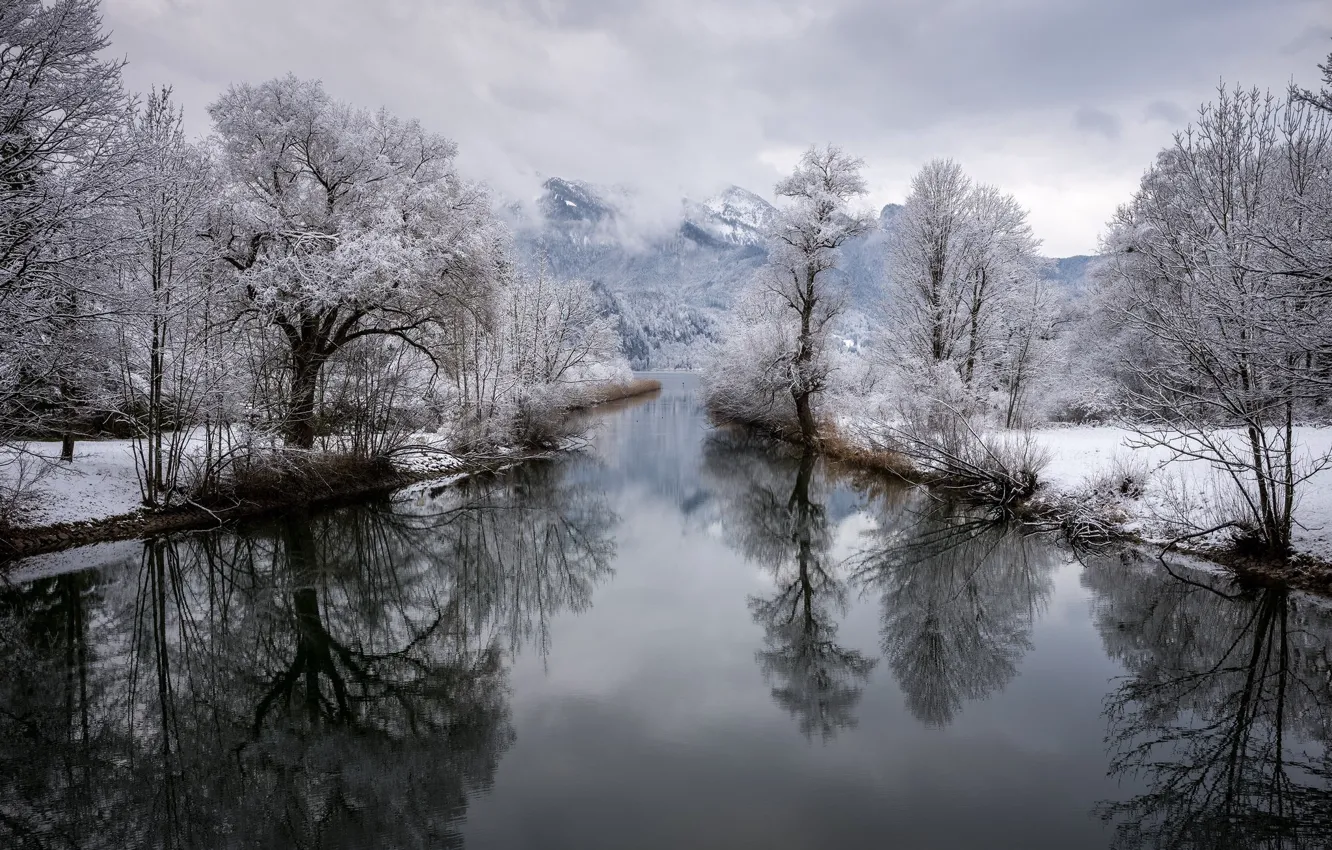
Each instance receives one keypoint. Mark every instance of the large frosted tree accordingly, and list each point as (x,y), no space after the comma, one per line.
(927,262)
(341,225)
(964,304)
(782,326)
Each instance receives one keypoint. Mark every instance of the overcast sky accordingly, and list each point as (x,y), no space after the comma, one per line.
(1061,102)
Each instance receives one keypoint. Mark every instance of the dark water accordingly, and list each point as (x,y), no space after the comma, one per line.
(687,638)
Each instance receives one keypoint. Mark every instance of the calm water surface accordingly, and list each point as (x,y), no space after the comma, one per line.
(684,638)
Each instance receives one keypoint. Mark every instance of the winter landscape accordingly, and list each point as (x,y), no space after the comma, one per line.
(362,483)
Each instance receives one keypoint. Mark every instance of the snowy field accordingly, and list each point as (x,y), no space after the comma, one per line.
(1086,461)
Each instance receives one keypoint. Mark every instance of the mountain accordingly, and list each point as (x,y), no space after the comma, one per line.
(1070,272)
(665,290)
(669,290)
(735,217)
(573,201)
(888,213)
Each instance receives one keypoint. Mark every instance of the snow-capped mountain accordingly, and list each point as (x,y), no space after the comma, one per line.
(735,217)
(567,201)
(667,290)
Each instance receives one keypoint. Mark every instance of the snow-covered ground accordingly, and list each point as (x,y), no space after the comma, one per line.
(102,482)
(1088,462)
(1165,496)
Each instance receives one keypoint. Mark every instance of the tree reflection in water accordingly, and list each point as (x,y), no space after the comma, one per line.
(959,591)
(1223,714)
(320,681)
(773,509)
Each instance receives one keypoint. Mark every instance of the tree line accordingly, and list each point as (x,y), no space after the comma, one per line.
(312,275)
(1206,329)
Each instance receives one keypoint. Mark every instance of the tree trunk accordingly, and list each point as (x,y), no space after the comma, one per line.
(301,404)
(153,477)
(973,337)
(801,389)
(809,433)
(67,435)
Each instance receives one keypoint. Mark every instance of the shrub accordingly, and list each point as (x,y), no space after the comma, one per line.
(273,475)
(996,468)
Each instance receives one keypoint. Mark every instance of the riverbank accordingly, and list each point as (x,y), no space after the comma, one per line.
(1096,487)
(314,491)
(617,391)
(96,499)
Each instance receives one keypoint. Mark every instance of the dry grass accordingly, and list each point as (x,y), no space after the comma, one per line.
(617,390)
(838,448)
(282,478)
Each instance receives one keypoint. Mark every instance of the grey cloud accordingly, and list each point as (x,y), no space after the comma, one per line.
(684,96)
(1316,36)
(1166,112)
(1088,119)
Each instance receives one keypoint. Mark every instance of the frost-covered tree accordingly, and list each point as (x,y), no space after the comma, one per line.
(1306,246)
(342,225)
(795,294)
(522,357)
(165,300)
(963,306)
(745,380)
(927,260)
(61,162)
(1321,99)
(1230,342)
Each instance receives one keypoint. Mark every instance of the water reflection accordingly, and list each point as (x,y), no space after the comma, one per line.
(1223,713)
(959,592)
(361,678)
(521,548)
(320,681)
(776,515)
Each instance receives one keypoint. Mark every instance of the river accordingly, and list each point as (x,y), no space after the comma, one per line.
(682,637)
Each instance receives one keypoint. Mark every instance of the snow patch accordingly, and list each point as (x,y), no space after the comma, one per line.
(1082,458)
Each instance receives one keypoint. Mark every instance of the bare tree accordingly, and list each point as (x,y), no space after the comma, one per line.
(164,294)
(1304,244)
(522,357)
(1234,346)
